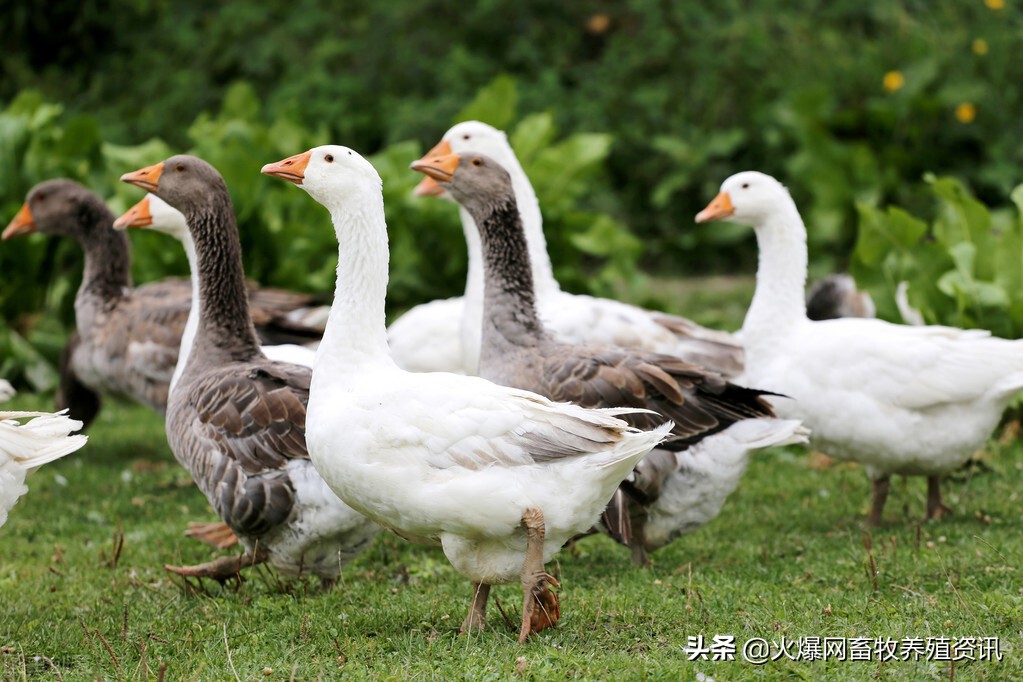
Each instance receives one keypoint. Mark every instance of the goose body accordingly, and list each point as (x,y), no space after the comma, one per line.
(571,318)
(27,446)
(519,351)
(127,338)
(899,399)
(491,474)
(236,419)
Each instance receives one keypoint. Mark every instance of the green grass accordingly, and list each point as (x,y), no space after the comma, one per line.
(788,556)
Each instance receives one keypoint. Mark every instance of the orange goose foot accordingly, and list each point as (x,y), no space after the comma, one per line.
(936,509)
(540,606)
(221,570)
(217,535)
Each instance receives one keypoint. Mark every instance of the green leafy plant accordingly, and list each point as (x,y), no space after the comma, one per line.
(964,267)
(287,238)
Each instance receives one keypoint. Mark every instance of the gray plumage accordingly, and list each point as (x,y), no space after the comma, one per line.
(836,296)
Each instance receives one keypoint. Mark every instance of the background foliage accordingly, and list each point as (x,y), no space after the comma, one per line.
(627,116)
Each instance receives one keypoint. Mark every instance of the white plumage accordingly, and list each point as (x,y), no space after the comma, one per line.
(901,400)
(440,458)
(27,446)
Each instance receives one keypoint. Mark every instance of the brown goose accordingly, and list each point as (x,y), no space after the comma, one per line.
(235,419)
(127,339)
(518,351)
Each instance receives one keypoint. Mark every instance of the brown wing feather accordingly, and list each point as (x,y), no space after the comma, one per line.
(281,316)
(236,429)
(699,401)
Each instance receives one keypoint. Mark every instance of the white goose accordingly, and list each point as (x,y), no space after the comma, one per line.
(491,474)
(25,447)
(572,318)
(156,214)
(900,400)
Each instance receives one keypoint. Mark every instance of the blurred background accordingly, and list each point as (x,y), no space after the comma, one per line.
(895,125)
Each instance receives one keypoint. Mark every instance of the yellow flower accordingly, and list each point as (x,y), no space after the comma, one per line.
(966,112)
(893,80)
(995,4)
(980,47)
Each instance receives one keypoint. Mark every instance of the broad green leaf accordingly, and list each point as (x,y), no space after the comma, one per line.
(495,104)
(531,136)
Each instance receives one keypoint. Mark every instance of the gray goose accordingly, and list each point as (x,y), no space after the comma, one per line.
(836,296)
(126,339)
(518,351)
(235,419)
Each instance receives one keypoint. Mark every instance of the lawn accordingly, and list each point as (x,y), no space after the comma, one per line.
(83,594)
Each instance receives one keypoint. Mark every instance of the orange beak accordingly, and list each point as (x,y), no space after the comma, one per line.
(428,187)
(440,168)
(291,169)
(147,178)
(23,223)
(136,216)
(720,207)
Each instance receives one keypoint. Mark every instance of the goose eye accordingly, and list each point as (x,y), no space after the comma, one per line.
(329,158)
(180,168)
(477,161)
(466,137)
(349,152)
(745,185)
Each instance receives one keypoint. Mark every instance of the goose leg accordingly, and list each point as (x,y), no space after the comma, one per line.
(540,608)
(221,570)
(639,555)
(217,535)
(880,497)
(477,618)
(936,509)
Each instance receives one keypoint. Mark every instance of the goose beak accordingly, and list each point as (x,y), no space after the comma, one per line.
(720,207)
(136,216)
(428,187)
(291,169)
(147,178)
(23,223)
(440,168)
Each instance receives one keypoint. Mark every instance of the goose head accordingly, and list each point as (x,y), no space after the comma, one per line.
(747,198)
(477,182)
(465,137)
(156,214)
(56,207)
(186,182)
(333,175)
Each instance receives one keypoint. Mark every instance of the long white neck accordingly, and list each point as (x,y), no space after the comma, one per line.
(356,334)
(471,331)
(544,283)
(778,302)
(192,324)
